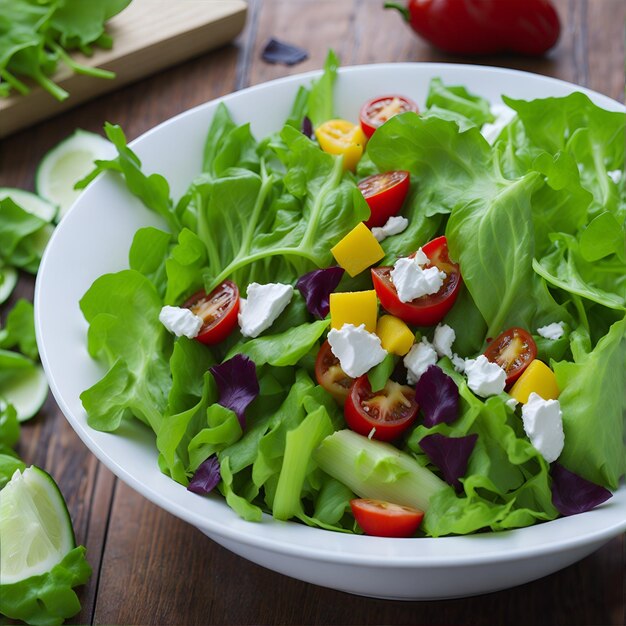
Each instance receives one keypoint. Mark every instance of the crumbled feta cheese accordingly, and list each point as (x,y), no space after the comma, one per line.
(418,359)
(551,331)
(512,403)
(615,175)
(262,307)
(412,281)
(543,424)
(357,349)
(458,362)
(421,258)
(443,339)
(394,226)
(503,115)
(484,378)
(180,321)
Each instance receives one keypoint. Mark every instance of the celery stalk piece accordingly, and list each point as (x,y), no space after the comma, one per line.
(377,470)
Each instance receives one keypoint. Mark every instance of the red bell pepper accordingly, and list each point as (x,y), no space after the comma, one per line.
(484,26)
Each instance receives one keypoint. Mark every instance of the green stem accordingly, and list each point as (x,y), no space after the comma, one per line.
(17,84)
(399,7)
(50,86)
(96,72)
(331,183)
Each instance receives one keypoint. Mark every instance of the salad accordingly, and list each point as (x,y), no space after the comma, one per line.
(395,325)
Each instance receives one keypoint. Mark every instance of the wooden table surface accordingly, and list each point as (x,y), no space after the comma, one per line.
(150,567)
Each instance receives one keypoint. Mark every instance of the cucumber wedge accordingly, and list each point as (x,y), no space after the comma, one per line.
(8,280)
(30,202)
(67,163)
(35,526)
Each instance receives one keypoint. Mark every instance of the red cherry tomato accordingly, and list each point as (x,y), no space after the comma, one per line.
(390,411)
(513,350)
(329,374)
(218,310)
(384,193)
(425,310)
(376,112)
(384,519)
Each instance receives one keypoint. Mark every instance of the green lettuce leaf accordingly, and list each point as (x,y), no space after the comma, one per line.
(19,331)
(458,100)
(125,333)
(593,394)
(47,599)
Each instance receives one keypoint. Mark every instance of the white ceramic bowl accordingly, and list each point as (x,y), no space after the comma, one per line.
(94,238)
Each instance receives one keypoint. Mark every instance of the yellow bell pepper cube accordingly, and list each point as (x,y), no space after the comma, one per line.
(341,137)
(354,307)
(395,336)
(358,250)
(537,377)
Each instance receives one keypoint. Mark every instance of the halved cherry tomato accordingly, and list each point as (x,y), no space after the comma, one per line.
(218,310)
(426,310)
(344,138)
(384,193)
(513,350)
(389,411)
(329,374)
(377,111)
(384,519)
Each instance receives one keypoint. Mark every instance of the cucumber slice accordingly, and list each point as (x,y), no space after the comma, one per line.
(30,202)
(22,384)
(27,393)
(8,280)
(67,163)
(35,526)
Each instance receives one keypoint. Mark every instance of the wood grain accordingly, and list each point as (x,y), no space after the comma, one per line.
(151,568)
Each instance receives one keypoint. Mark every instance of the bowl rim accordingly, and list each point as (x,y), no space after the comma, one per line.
(487,547)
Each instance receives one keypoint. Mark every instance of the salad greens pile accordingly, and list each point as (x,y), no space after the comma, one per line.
(35,35)
(535,221)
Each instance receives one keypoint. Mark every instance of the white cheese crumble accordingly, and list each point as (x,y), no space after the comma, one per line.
(418,359)
(395,225)
(551,331)
(615,175)
(412,281)
(443,339)
(458,362)
(180,321)
(543,424)
(511,403)
(484,378)
(357,349)
(503,115)
(262,307)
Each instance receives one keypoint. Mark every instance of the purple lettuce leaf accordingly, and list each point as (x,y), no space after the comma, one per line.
(276,51)
(573,494)
(207,476)
(449,454)
(237,384)
(316,287)
(437,396)
(307,127)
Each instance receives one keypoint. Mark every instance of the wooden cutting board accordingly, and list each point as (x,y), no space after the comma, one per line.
(149,35)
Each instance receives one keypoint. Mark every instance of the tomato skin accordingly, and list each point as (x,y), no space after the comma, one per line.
(426,310)
(330,376)
(370,114)
(390,411)
(219,310)
(384,194)
(384,519)
(513,350)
